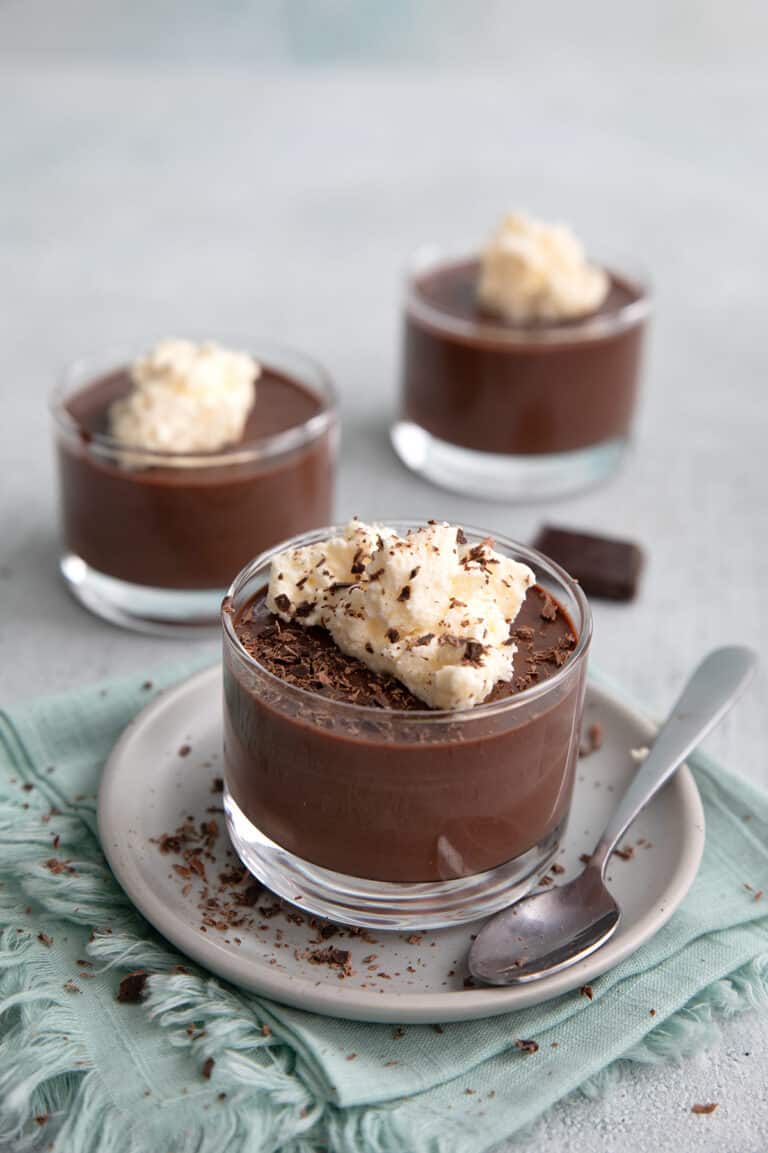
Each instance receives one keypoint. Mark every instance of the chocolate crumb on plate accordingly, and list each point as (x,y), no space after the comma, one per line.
(207,1068)
(527,1046)
(604,566)
(332,957)
(594,740)
(704,1109)
(185,750)
(44,939)
(587,991)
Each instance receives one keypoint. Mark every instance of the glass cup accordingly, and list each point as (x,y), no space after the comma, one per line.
(152,539)
(509,411)
(397,819)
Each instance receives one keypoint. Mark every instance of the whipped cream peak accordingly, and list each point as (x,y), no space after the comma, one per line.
(533,271)
(428,608)
(186,398)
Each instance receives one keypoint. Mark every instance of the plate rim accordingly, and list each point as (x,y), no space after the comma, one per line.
(359,1004)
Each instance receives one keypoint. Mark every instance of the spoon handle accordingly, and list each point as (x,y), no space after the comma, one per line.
(710,692)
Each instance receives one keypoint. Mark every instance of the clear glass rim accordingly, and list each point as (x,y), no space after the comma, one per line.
(430,716)
(260,448)
(428,258)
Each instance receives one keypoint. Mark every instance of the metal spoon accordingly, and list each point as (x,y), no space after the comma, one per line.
(551,930)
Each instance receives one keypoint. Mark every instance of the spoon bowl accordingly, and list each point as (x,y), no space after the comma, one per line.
(548,932)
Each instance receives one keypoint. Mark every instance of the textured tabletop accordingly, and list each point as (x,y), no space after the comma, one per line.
(223,190)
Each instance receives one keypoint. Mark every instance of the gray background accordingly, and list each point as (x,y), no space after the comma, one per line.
(265,168)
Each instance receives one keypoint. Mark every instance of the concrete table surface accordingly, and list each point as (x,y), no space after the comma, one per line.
(140,200)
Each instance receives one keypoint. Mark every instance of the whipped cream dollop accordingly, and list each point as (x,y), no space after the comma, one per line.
(532,271)
(428,608)
(186,398)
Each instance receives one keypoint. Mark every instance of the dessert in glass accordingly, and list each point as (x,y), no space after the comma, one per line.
(177,464)
(520,364)
(402,707)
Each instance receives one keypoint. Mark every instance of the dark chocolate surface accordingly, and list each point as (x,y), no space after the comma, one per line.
(604,566)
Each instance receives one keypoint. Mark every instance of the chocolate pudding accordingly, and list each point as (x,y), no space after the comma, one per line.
(347,769)
(148,521)
(475,380)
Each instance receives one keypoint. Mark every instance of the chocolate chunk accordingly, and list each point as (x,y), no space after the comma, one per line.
(405,593)
(392,635)
(603,566)
(473,653)
(283,603)
(131,988)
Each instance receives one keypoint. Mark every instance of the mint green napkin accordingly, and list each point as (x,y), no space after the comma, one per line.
(97,1076)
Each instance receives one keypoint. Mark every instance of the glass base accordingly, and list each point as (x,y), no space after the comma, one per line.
(384,904)
(501,476)
(162,612)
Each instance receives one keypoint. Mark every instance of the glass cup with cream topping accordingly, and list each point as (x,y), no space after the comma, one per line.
(349,796)
(520,364)
(176,463)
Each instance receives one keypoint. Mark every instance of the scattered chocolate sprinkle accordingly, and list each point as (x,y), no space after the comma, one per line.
(28,787)
(131,988)
(758,895)
(335,959)
(351,1056)
(548,610)
(207,1068)
(704,1109)
(392,635)
(594,740)
(527,1046)
(424,640)
(652,1012)
(266,1031)
(185,750)
(71,987)
(45,939)
(283,603)
(328,930)
(461,537)
(405,593)
(41,1118)
(57,866)
(269,911)
(398,1033)
(626,853)
(56,841)
(586,991)
(469,983)
(473,654)
(147,686)
(438,1029)
(557,868)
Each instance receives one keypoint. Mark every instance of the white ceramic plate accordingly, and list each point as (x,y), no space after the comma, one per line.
(149,787)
